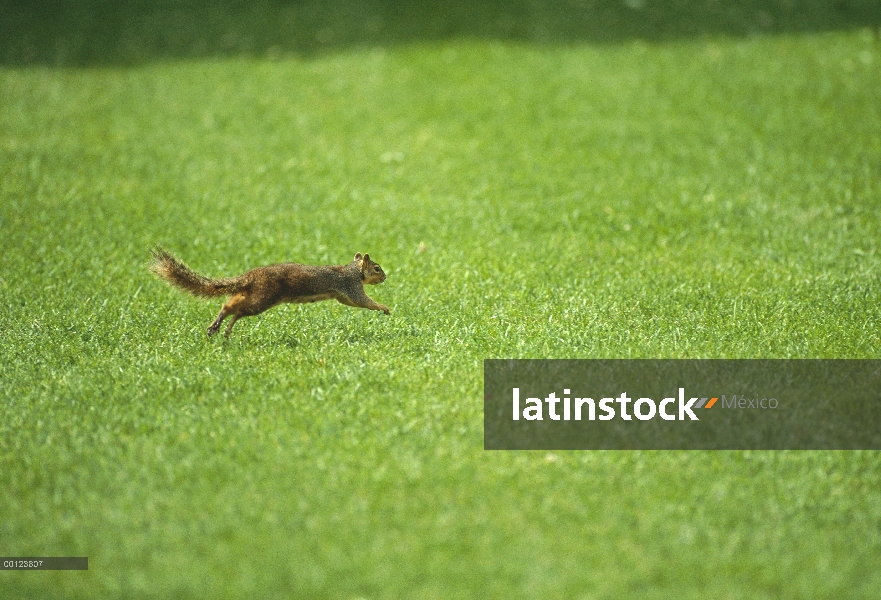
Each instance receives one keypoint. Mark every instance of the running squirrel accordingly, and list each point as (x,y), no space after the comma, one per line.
(262,288)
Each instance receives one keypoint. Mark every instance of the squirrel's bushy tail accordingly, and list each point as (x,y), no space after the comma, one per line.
(175,272)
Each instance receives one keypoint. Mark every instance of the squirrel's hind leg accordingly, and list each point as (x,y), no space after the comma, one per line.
(229,327)
(238,306)
(215,326)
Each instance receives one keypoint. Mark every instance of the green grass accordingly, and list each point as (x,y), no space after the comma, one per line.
(692,197)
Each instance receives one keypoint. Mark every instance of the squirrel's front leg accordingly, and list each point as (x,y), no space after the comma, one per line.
(378,306)
(363,301)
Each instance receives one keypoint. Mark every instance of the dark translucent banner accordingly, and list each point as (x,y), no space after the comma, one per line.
(44,563)
(682,404)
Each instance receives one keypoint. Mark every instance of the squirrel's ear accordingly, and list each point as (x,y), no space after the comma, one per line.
(367,258)
(358,257)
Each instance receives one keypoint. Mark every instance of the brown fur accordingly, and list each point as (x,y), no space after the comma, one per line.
(262,288)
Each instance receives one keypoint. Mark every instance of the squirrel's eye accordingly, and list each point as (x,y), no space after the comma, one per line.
(377,269)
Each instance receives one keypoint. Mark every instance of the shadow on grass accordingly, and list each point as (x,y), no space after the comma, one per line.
(107,32)
(336,335)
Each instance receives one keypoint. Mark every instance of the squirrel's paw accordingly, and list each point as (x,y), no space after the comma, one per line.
(384,308)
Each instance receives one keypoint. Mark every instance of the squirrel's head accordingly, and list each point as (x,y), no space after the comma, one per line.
(371,272)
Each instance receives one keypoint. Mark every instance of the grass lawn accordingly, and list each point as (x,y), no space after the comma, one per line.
(709,195)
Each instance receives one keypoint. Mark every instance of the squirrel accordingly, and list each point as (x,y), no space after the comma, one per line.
(262,288)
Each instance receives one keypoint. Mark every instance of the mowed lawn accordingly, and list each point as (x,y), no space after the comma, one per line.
(714,196)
